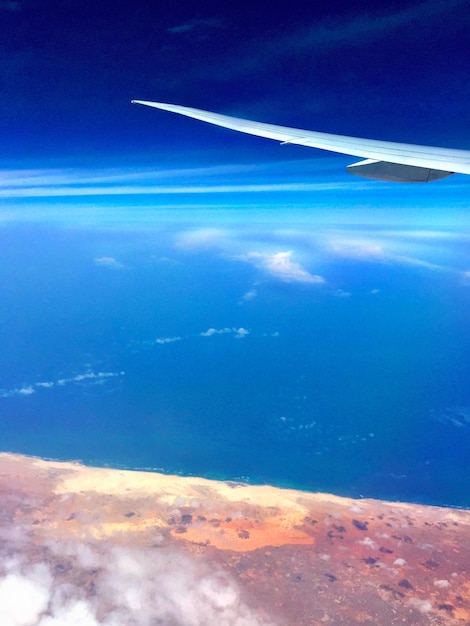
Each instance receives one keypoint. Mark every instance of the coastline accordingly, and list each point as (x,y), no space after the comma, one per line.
(404,561)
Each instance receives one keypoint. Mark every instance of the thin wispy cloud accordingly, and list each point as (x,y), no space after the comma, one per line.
(203,238)
(466,278)
(11,6)
(322,37)
(222,179)
(109,262)
(249,295)
(195,25)
(88,377)
(61,192)
(377,250)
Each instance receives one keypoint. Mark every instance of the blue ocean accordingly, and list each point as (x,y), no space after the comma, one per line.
(327,359)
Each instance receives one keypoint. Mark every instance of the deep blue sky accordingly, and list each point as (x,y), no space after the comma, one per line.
(395,70)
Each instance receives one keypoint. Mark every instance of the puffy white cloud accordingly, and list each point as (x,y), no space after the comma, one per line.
(164,340)
(241,333)
(22,600)
(131,587)
(281,266)
(214,331)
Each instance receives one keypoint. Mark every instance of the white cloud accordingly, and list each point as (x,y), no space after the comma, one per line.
(24,599)
(320,38)
(392,247)
(201,24)
(164,340)
(108,261)
(89,376)
(66,191)
(130,587)
(215,331)
(281,266)
(202,238)
(341,293)
(241,333)
(249,295)
(355,247)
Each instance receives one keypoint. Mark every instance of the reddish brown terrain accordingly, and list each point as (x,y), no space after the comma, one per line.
(144,548)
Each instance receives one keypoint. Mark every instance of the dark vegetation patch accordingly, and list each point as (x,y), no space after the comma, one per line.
(405,584)
(360,525)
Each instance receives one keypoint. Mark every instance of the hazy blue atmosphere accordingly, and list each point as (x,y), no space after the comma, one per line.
(325,357)
(183,298)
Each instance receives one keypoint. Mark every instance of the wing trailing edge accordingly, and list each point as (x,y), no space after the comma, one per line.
(384,160)
(395,172)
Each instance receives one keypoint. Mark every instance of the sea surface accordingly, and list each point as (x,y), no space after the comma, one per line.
(330,361)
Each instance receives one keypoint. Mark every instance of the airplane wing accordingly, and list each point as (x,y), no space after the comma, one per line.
(384,160)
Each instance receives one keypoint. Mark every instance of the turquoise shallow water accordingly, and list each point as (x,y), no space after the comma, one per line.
(142,351)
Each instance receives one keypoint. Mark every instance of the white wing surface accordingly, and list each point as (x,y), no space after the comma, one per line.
(384,160)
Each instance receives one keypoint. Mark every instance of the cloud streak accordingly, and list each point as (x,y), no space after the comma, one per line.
(321,38)
(195,25)
(109,262)
(164,340)
(89,377)
(237,332)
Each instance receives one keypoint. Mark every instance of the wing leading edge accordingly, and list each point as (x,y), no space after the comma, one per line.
(384,160)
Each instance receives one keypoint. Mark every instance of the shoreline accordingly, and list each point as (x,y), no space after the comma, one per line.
(237,481)
(286,556)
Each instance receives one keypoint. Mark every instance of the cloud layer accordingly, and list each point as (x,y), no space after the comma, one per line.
(101,584)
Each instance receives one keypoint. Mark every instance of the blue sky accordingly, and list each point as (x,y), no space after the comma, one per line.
(75,149)
(394,71)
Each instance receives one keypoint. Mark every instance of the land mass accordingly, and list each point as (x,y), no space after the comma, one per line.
(250,555)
